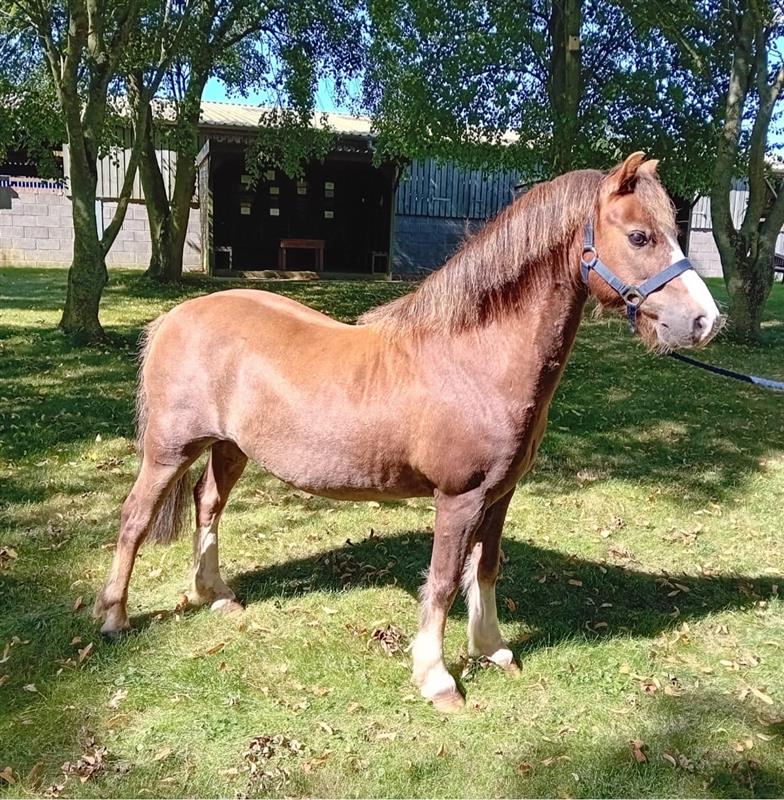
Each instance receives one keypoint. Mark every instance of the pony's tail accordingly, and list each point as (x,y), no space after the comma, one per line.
(173,514)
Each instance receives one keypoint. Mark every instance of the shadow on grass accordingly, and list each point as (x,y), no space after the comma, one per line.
(556,596)
(680,757)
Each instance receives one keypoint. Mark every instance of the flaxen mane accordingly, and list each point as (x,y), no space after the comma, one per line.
(531,235)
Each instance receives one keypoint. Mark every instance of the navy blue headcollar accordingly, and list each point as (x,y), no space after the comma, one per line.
(632,295)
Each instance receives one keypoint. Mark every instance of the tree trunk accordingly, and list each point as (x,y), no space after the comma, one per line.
(565,81)
(748,283)
(156,201)
(169,218)
(184,185)
(87,275)
(169,221)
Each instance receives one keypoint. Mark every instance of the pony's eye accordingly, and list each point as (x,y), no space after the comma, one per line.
(638,239)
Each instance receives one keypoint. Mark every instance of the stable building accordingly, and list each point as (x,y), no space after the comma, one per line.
(345,216)
(335,218)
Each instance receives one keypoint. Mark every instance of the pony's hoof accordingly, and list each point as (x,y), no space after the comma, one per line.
(115,632)
(504,658)
(227,605)
(449,702)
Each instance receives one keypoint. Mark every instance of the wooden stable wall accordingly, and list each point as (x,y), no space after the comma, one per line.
(438,205)
(112,167)
(432,189)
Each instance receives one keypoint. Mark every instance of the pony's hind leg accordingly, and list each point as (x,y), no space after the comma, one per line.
(457,519)
(155,485)
(479,579)
(224,468)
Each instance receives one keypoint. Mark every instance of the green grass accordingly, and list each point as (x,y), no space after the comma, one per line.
(640,591)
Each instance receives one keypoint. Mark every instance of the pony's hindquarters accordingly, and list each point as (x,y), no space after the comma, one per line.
(158,503)
(172,515)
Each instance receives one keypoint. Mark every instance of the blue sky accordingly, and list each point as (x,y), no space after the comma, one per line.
(325,101)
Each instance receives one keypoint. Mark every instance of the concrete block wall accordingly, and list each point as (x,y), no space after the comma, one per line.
(37,230)
(425,243)
(703,253)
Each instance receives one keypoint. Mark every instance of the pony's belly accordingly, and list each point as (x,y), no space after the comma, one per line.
(341,468)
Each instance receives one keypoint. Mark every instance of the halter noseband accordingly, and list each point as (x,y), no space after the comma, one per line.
(632,295)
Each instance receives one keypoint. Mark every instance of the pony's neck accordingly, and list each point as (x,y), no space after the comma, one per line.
(514,255)
(526,348)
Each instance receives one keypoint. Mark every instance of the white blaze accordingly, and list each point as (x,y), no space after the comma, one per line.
(697,289)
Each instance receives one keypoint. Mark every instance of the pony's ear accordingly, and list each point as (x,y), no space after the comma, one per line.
(648,167)
(622,178)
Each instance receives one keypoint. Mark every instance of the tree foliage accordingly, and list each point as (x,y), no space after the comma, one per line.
(282,49)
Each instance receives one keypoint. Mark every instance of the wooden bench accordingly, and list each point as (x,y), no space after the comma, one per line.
(317,245)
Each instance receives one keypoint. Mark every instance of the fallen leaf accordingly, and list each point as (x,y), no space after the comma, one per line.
(162,754)
(216,648)
(650,686)
(441,751)
(117,698)
(8,776)
(390,639)
(510,604)
(523,769)
(85,652)
(78,604)
(328,729)
(33,778)
(760,695)
(30,687)
(638,747)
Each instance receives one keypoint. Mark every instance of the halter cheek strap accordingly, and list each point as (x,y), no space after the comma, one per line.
(632,295)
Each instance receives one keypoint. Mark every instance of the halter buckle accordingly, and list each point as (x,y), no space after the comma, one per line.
(632,296)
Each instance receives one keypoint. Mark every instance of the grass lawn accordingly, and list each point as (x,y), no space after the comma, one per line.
(641,592)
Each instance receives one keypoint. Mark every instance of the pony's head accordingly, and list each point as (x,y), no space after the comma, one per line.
(635,236)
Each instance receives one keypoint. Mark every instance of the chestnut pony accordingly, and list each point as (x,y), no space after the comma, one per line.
(443,392)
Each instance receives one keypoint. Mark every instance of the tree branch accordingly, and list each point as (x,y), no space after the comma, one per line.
(724,171)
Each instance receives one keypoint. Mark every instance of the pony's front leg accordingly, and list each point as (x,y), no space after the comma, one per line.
(479,579)
(457,518)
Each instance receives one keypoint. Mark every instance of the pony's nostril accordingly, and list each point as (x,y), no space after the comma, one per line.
(700,327)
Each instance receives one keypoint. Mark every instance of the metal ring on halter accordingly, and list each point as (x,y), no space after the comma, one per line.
(592,250)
